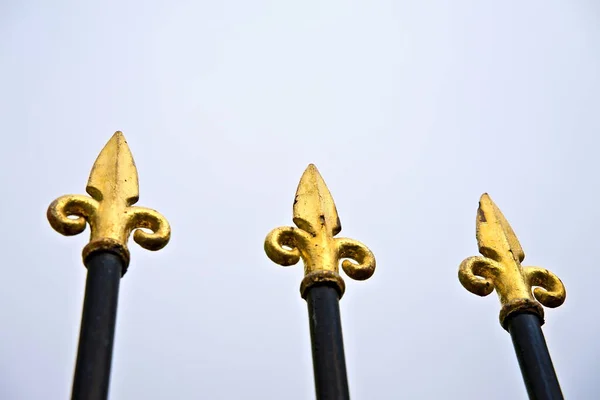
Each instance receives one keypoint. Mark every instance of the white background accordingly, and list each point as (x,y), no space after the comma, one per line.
(410,110)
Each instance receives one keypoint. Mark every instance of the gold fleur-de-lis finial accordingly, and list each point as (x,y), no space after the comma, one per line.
(500,268)
(113,187)
(317,220)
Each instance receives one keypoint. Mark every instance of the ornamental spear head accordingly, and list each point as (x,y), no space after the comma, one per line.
(500,268)
(313,241)
(113,187)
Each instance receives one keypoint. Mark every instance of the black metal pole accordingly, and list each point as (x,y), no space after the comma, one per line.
(329,362)
(534,358)
(94,355)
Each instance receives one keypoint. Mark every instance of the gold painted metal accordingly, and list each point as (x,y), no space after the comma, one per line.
(113,187)
(317,220)
(500,268)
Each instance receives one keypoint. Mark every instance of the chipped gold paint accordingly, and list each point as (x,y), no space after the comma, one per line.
(500,268)
(317,220)
(113,187)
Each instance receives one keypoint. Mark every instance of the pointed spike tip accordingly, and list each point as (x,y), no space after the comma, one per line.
(119,138)
(310,169)
(486,206)
(309,179)
(114,173)
(313,205)
(486,202)
(495,235)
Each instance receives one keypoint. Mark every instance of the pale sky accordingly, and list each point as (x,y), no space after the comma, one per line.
(410,110)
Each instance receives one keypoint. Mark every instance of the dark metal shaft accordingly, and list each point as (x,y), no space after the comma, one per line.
(329,362)
(534,358)
(94,355)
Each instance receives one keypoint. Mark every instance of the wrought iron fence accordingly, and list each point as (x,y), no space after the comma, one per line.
(112,216)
